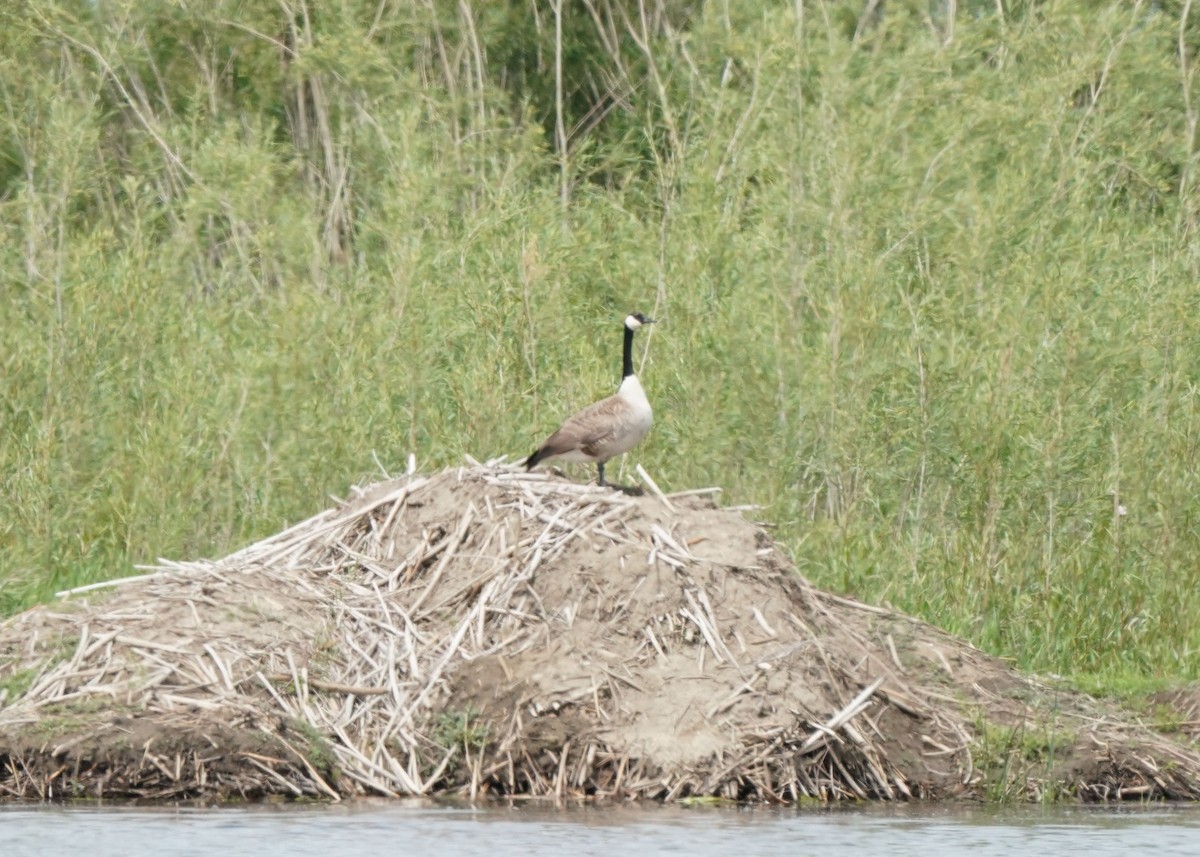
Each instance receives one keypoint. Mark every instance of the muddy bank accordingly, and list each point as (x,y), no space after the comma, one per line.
(488,632)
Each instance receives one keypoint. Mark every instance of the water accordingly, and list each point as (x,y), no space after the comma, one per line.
(368,828)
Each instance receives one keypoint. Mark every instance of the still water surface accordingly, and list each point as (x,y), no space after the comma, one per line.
(369,828)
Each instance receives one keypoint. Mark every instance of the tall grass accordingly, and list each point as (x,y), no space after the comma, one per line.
(928,284)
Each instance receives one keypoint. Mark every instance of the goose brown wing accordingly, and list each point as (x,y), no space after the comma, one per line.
(588,429)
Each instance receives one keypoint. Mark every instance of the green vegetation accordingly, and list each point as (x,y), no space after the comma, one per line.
(1165,719)
(317,747)
(703,800)
(460,730)
(64,720)
(16,680)
(1015,760)
(929,284)
(14,685)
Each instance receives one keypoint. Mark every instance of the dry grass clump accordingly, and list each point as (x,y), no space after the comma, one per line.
(484,631)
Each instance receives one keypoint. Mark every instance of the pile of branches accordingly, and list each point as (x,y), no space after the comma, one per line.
(485,631)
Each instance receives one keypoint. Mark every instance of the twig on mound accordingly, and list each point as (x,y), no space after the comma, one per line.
(110,584)
(447,555)
(253,759)
(653,486)
(332,686)
(855,706)
(317,779)
(733,697)
(693,492)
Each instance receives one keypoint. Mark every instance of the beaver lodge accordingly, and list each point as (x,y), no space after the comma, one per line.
(487,632)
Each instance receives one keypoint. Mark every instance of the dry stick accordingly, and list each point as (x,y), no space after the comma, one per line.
(353,644)
(857,605)
(969,767)
(869,754)
(656,554)
(190,702)
(653,486)
(279,699)
(433,778)
(420,554)
(333,687)
(350,753)
(732,698)
(447,556)
(299,686)
(706,622)
(206,678)
(702,596)
(318,525)
(533,773)
(53,688)
(508,477)
(846,778)
(222,668)
(816,641)
(81,648)
(476,767)
(399,503)
(670,542)
(312,771)
(694,492)
(273,774)
(565,540)
(135,643)
(109,584)
(353,710)
(856,705)
(101,641)
(406,716)
(392,671)
(367,621)
(474,583)
(705,631)
(366,561)
(762,621)
(544,537)
(891,645)
(158,763)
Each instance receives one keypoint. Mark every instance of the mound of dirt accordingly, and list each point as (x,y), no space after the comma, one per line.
(485,631)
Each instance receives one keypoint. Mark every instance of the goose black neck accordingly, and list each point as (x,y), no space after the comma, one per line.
(627,366)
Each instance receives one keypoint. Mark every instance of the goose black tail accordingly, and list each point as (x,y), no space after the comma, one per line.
(531,461)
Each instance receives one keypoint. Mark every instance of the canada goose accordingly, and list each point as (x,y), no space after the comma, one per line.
(608,428)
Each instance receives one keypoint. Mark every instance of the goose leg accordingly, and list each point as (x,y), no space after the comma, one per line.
(600,468)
